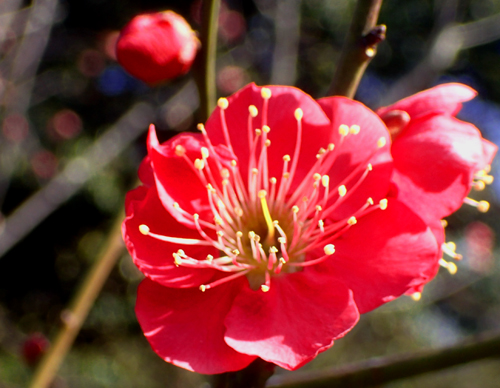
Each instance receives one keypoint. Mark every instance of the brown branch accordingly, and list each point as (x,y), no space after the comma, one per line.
(385,369)
(359,48)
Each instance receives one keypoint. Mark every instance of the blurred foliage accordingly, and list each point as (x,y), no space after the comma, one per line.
(59,99)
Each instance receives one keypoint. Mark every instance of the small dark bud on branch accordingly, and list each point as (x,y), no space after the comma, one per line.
(375,36)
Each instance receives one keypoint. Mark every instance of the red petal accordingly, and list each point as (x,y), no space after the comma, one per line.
(154,257)
(185,327)
(358,150)
(441,99)
(280,118)
(434,162)
(296,319)
(386,253)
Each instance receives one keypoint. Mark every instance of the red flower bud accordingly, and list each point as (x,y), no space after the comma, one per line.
(157,47)
(34,348)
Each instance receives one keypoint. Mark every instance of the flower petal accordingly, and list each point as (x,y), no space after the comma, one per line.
(434,162)
(154,257)
(386,253)
(282,122)
(296,319)
(185,326)
(441,99)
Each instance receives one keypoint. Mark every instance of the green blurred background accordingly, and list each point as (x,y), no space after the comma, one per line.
(73,134)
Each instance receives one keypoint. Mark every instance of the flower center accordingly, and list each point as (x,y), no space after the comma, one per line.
(261,226)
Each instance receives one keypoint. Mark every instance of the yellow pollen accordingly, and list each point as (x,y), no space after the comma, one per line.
(273,180)
(444,223)
(483,206)
(265,93)
(220,233)
(354,129)
(370,167)
(267,216)
(344,130)
(224,173)
(180,150)
(286,158)
(251,235)
(258,132)
(451,245)
(266,129)
(177,259)
(342,191)
(176,206)
(416,296)
(369,201)
(196,216)
(264,288)
(267,143)
(318,208)
(383,204)
(273,250)
(144,229)
(351,221)
(180,252)
(331,146)
(223,103)
(479,185)
(210,188)
(253,110)
(282,260)
(321,151)
(255,171)
(199,164)
(282,240)
(298,114)
(238,211)
(236,252)
(317,177)
(305,199)
(295,209)
(218,221)
(204,152)
(329,249)
(286,175)
(370,52)
(209,258)
(381,142)
(203,288)
(200,127)
(239,234)
(325,180)
(233,163)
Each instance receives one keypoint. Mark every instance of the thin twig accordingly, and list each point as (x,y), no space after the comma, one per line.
(385,369)
(359,48)
(74,316)
(205,61)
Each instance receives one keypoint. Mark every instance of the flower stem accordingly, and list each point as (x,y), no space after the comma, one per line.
(359,48)
(254,375)
(75,315)
(205,61)
(382,370)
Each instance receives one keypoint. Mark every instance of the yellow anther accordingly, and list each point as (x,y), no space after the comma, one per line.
(282,240)
(383,204)
(224,173)
(251,235)
(203,288)
(255,171)
(273,180)
(369,167)
(317,177)
(331,146)
(298,114)
(369,201)
(276,222)
(210,188)
(267,143)
(196,216)
(483,206)
(265,93)
(204,152)
(305,199)
(273,250)
(344,130)
(180,150)
(342,191)
(321,224)
(262,194)
(176,206)
(218,221)
(321,151)
(180,252)
(199,164)
(144,229)
(381,142)
(266,129)
(233,163)
(282,260)
(200,127)
(451,245)
(286,175)
(325,180)
(239,234)
(253,110)
(209,258)
(220,233)
(329,249)
(479,185)
(258,132)
(370,52)
(352,221)
(444,223)
(177,259)
(264,288)
(236,252)
(452,268)
(286,158)
(318,208)
(223,103)
(354,129)
(416,296)
(238,211)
